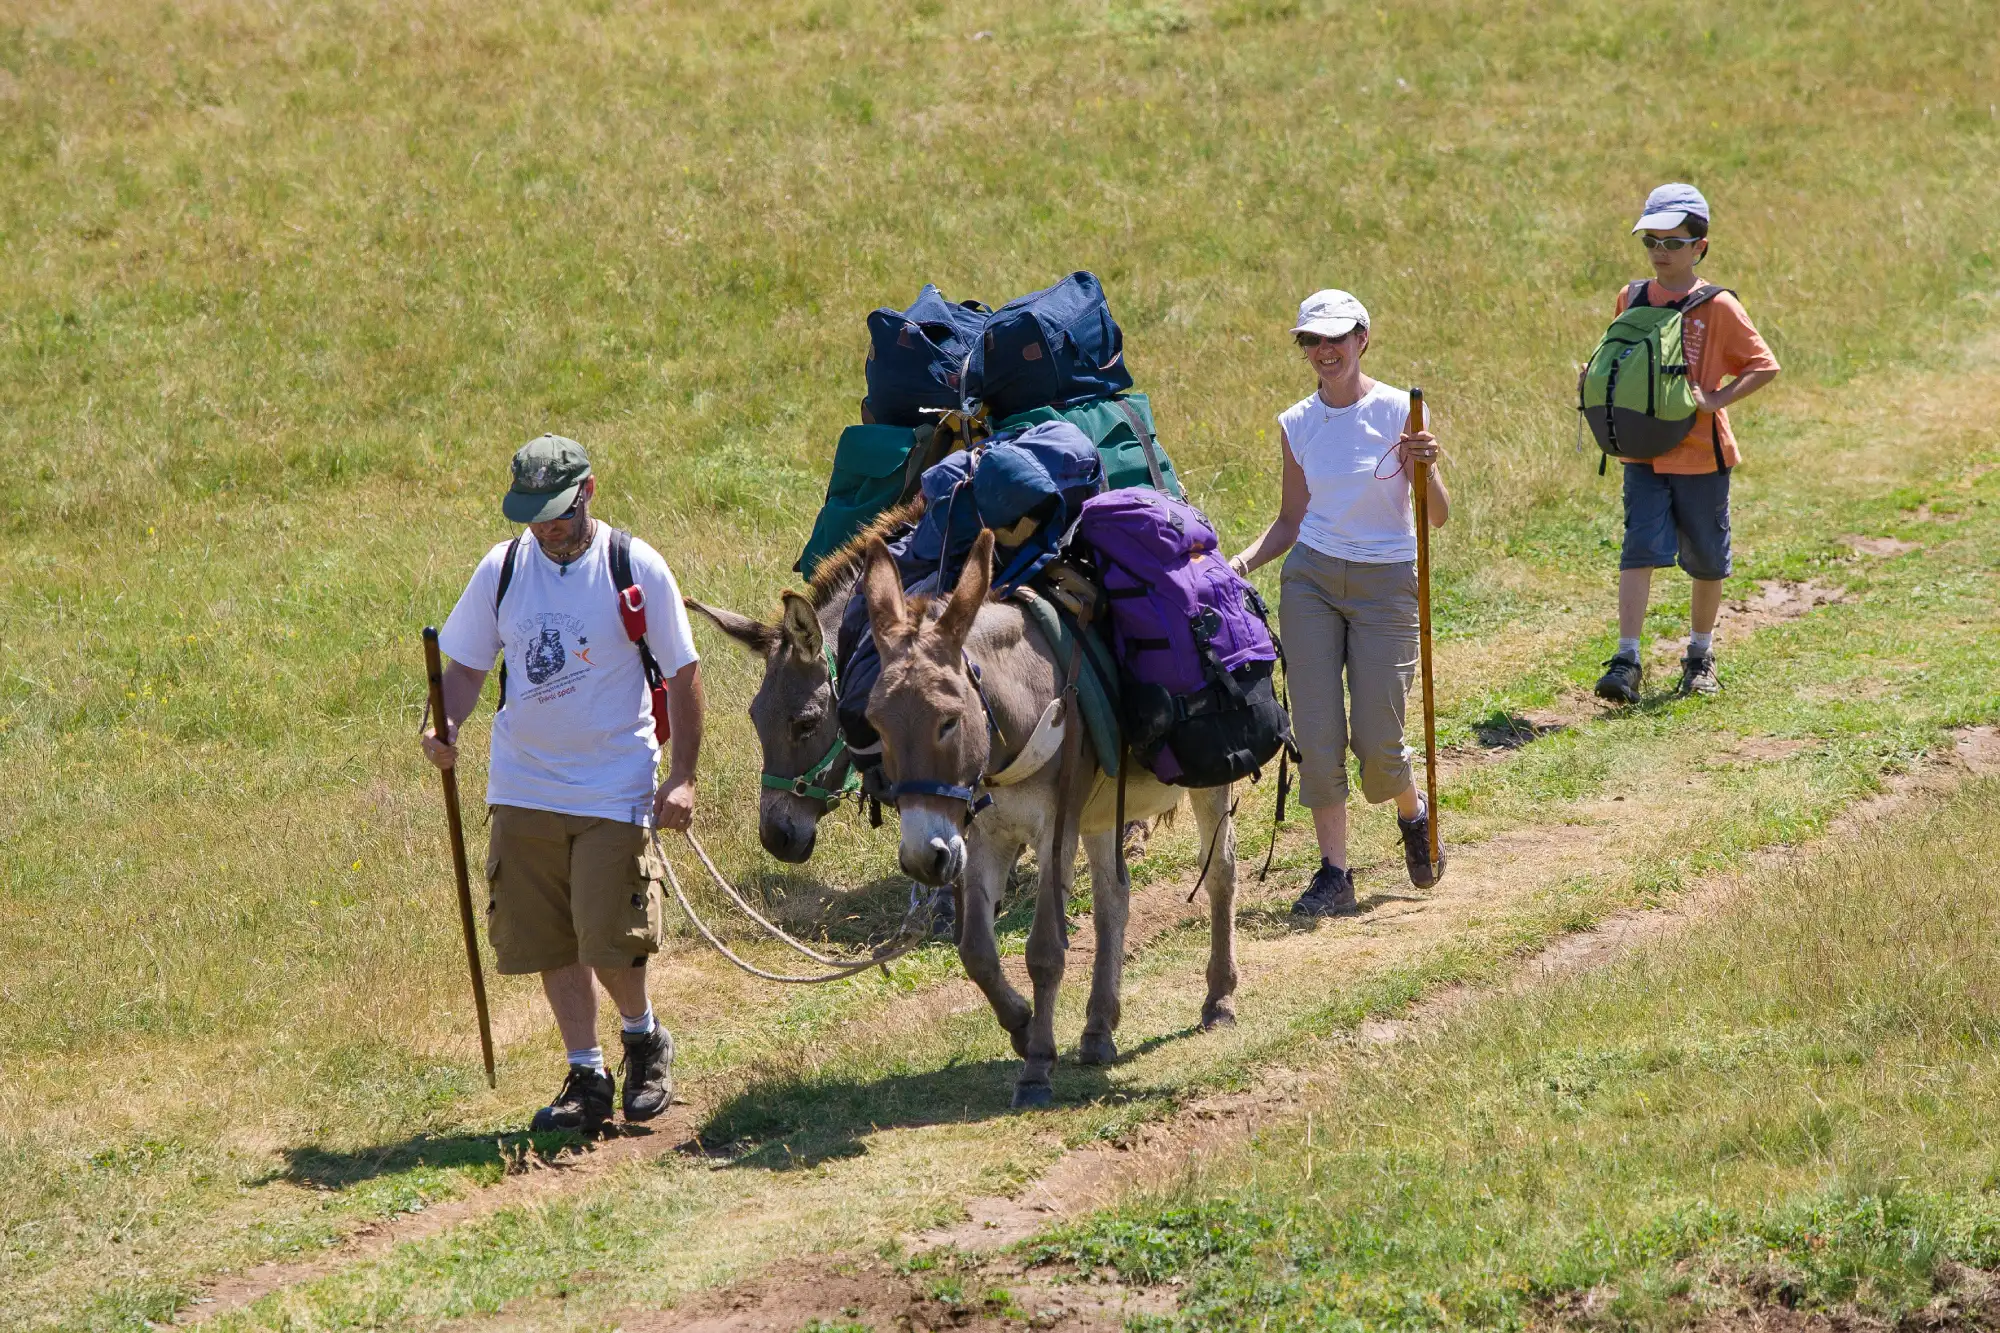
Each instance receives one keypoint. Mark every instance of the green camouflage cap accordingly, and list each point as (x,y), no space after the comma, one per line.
(547,473)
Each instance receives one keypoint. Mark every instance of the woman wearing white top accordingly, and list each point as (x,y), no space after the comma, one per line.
(1348,593)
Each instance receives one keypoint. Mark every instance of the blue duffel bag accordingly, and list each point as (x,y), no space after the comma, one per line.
(1048,347)
(916,356)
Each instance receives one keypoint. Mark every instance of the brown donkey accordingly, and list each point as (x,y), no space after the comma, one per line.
(964,684)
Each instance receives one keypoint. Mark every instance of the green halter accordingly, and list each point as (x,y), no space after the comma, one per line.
(811,783)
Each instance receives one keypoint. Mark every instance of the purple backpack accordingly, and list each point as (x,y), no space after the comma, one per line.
(1194,650)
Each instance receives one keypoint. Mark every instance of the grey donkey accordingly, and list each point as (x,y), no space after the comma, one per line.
(942,726)
(793,709)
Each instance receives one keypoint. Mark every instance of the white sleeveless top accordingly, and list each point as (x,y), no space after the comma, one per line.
(1360,494)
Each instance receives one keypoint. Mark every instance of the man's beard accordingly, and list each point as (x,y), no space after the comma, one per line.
(573,543)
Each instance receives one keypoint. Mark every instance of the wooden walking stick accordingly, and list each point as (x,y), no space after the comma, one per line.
(1420,479)
(435,669)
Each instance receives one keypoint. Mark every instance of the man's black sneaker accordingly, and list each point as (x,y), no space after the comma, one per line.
(1331,894)
(1620,681)
(1698,674)
(649,1073)
(583,1105)
(1417,850)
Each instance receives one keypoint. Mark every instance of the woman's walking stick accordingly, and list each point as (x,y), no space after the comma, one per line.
(435,669)
(1420,480)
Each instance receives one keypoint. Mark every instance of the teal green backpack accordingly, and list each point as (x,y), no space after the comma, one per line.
(874,468)
(1634,394)
(1121,426)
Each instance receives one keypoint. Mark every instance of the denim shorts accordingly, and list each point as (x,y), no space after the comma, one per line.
(1669,516)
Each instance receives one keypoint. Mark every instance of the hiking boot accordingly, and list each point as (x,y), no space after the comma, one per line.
(1331,894)
(1417,849)
(1620,681)
(649,1073)
(1698,674)
(583,1105)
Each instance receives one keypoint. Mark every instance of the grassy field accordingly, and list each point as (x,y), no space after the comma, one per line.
(284,287)
(1788,1104)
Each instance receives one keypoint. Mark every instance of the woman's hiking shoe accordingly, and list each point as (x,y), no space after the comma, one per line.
(583,1105)
(1620,681)
(649,1073)
(1698,674)
(1331,894)
(1417,850)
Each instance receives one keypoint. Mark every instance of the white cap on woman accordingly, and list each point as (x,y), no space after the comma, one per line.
(1332,312)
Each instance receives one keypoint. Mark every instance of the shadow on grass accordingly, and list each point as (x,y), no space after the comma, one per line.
(497,1154)
(858,918)
(801,1123)
(1502,730)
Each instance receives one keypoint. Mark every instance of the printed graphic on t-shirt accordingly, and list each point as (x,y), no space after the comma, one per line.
(545,657)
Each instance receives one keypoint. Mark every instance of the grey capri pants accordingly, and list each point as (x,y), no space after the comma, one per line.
(1343,616)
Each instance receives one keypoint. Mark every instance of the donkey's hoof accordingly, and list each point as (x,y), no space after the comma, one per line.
(1033,1096)
(1215,1016)
(1097,1048)
(1019,1036)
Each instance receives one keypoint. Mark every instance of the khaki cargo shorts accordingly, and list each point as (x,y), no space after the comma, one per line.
(565,889)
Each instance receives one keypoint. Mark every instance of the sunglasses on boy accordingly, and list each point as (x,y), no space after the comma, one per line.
(1668,243)
(1315,339)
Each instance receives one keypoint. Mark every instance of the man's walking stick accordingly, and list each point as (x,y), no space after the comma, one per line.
(435,669)
(1420,479)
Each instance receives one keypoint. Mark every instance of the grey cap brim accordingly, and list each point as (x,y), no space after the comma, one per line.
(1660,221)
(523,507)
(1330,328)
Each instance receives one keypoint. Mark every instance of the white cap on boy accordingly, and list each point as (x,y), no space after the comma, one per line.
(1671,205)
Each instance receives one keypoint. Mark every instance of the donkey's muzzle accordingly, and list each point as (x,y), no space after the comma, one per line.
(936,862)
(787,843)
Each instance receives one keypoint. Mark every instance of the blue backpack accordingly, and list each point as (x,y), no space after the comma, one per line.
(916,356)
(1048,347)
(1029,488)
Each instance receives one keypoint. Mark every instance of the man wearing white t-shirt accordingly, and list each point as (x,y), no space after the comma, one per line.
(574,883)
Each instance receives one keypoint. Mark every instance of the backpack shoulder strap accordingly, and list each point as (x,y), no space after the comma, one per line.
(1146,442)
(621,579)
(1635,295)
(506,577)
(1700,296)
(621,559)
(506,572)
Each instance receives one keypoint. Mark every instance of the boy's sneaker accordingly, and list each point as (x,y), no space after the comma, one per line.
(1698,674)
(583,1105)
(1331,894)
(1417,850)
(649,1073)
(1620,681)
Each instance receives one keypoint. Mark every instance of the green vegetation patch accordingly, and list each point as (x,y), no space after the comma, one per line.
(1790,1102)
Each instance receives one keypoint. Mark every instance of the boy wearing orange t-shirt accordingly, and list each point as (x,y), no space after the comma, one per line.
(1677,505)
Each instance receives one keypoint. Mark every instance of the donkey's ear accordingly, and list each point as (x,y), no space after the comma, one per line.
(755,635)
(974,582)
(800,624)
(882,585)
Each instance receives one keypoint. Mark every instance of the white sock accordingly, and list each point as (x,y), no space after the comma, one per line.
(1701,645)
(1423,808)
(1629,648)
(592,1059)
(640,1026)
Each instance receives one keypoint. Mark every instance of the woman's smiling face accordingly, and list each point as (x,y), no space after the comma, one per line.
(1334,359)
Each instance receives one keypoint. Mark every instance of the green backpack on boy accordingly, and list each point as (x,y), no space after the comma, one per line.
(1634,393)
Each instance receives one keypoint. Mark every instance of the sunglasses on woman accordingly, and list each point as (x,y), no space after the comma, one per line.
(1668,243)
(1310,340)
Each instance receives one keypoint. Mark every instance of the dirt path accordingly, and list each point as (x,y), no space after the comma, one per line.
(962,1290)
(1486,877)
